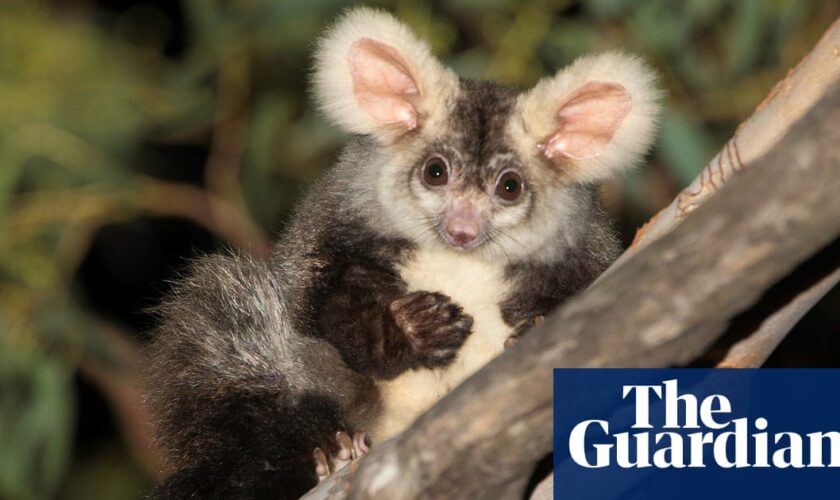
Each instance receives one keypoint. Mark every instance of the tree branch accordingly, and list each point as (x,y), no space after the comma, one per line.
(650,311)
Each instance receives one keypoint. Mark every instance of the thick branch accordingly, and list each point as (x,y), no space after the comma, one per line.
(651,311)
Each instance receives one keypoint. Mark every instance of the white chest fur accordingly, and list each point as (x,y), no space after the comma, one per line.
(478,287)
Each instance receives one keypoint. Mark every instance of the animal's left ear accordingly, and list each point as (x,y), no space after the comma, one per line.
(591,119)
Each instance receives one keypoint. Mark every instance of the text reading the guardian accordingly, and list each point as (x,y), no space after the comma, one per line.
(692,433)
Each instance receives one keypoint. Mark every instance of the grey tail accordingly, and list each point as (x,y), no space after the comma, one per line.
(240,399)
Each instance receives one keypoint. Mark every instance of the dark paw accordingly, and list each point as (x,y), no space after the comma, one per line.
(434,326)
(349,449)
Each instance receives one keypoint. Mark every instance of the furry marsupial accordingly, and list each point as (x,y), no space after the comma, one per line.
(458,213)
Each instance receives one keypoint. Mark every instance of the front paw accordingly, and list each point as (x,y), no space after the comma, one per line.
(434,326)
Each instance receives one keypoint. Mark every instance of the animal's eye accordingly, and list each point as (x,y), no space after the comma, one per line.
(509,186)
(435,172)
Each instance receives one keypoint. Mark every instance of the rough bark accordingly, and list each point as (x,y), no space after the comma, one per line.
(662,307)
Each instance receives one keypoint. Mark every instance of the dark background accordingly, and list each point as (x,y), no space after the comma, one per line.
(136,134)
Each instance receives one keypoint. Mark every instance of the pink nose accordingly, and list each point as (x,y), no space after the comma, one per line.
(462,230)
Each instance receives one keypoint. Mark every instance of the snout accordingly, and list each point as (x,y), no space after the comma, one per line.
(462,232)
(463,228)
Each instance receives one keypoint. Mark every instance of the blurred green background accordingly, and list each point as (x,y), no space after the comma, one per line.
(135,134)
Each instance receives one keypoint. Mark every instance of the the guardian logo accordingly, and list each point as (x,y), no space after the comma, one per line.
(693,434)
(733,442)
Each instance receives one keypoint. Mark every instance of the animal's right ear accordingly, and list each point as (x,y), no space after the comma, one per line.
(374,76)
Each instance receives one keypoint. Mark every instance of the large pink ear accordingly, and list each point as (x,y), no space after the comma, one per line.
(384,84)
(373,76)
(591,119)
(587,121)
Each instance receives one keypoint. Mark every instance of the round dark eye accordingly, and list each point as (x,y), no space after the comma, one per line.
(509,186)
(434,172)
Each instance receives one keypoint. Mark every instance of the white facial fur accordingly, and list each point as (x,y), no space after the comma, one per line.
(439,205)
(524,229)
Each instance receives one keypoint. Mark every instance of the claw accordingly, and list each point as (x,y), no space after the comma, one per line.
(360,446)
(511,341)
(349,449)
(322,467)
(345,452)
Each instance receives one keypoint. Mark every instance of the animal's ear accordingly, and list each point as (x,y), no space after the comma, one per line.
(374,76)
(591,119)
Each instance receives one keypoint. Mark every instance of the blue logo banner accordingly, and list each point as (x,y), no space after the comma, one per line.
(696,434)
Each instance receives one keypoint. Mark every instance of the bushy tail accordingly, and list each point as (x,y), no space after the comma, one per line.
(240,399)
